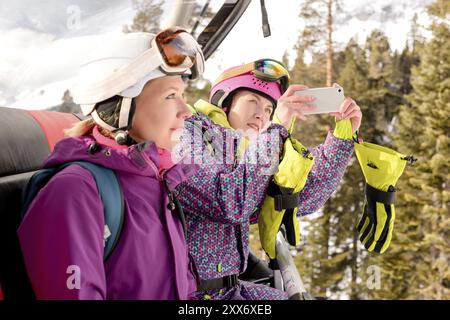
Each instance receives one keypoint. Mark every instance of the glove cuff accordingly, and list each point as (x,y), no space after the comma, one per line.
(277,120)
(385,197)
(343,129)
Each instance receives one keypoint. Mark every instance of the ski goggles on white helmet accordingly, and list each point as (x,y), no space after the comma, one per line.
(178,52)
(172,51)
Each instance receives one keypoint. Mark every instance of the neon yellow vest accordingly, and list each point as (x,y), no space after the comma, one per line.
(291,177)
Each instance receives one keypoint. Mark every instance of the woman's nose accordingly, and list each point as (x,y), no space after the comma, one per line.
(184,111)
(258,114)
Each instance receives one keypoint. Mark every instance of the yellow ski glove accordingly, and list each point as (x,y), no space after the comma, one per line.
(382,167)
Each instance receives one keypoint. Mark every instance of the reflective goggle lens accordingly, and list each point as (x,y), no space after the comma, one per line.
(270,69)
(178,48)
(265,69)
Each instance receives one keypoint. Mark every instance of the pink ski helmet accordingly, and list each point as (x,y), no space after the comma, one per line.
(266,77)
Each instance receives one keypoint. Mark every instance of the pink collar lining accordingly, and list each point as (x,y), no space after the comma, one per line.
(106,141)
(165,158)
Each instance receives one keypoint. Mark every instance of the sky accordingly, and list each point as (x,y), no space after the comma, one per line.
(43,45)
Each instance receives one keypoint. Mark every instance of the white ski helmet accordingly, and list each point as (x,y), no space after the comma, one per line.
(126,62)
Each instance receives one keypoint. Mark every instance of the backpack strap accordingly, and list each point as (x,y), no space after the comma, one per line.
(108,188)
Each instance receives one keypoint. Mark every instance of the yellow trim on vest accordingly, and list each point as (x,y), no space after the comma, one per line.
(292,173)
(218,116)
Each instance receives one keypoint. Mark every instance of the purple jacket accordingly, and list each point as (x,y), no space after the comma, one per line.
(62,234)
(220,201)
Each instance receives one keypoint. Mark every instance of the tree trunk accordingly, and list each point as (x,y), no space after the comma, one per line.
(353,285)
(330,44)
(324,256)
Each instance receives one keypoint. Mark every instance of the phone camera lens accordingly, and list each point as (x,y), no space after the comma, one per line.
(339,90)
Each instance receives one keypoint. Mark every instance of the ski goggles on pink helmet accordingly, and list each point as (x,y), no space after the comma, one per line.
(267,77)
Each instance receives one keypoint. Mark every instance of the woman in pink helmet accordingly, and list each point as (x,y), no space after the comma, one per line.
(222,199)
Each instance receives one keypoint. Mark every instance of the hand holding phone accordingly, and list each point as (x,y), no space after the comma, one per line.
(328,99)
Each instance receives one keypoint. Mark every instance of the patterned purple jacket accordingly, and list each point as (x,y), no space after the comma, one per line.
(222,199)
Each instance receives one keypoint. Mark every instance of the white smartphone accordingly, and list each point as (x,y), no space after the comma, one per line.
(328,99)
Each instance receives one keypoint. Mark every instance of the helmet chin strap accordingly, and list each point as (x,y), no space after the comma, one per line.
(125,121)
(124,115)
(102,123)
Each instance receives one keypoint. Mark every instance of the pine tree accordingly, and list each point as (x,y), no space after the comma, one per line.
(147,18)
(401,77)
(346,204)
(416,265)
(317,34)
(67,104)
(341,269)
(313,259)
(331,259)
(300,71)
(415,39)
(285,59)
(339,262)
(382,102)
(196,90)
(379,55)
(201,15)
(310,132)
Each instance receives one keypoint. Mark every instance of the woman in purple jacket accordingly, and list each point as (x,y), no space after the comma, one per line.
(225,196)
(134,108)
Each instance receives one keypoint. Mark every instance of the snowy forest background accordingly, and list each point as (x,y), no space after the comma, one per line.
(405,99)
